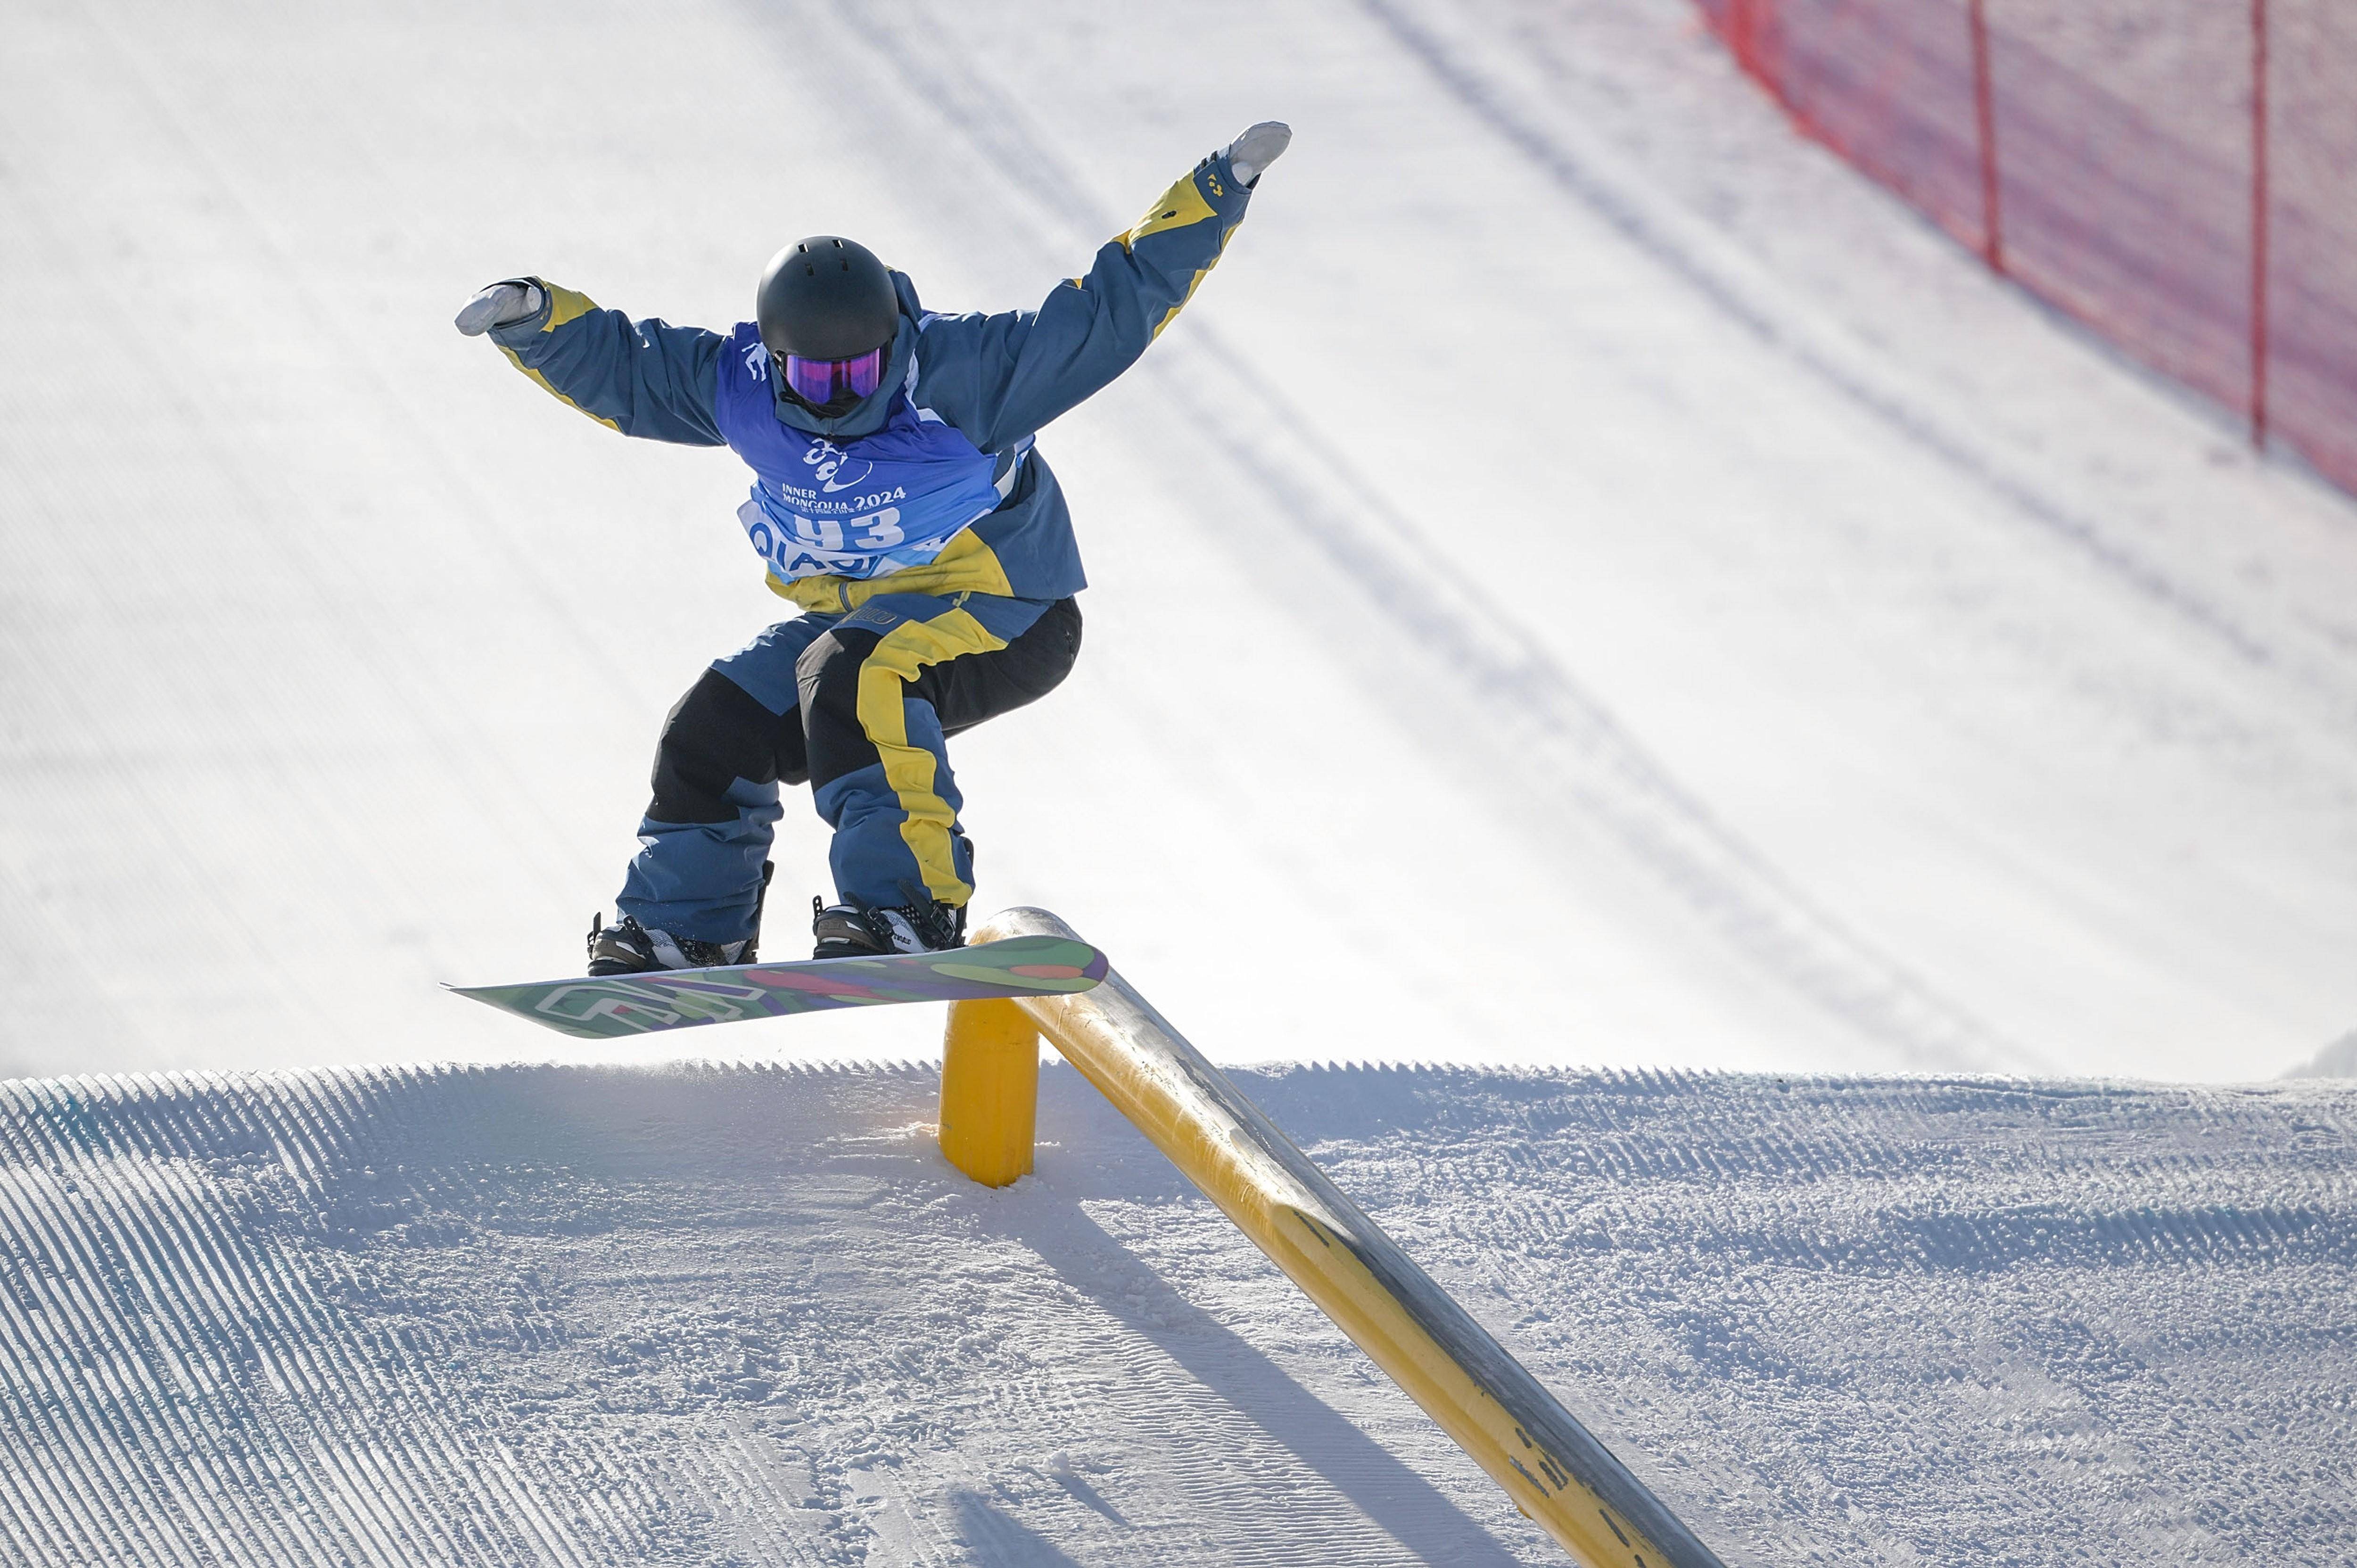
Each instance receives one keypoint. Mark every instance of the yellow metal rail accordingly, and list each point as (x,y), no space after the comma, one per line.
(1553,1468)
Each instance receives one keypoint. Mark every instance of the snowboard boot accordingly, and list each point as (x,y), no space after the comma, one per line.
(855,931)
(628,947)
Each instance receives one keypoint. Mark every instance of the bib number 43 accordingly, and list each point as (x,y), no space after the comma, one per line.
(796,546)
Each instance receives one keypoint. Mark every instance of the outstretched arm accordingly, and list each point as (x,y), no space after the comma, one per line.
(999,377)
(644,378)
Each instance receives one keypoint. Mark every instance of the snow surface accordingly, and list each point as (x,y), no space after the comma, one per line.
(1613,590)
(747,1314)
(1605,582)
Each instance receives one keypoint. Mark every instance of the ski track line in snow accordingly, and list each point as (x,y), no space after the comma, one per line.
(700,1316)
(1649,231)
(1528,707)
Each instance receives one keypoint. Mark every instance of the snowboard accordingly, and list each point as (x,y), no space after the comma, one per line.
(617,1006)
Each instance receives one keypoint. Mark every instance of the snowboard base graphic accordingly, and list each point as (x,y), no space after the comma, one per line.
(617,1007)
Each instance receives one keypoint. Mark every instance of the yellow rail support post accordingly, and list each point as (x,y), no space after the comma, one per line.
(1553,1468)
(990,1089)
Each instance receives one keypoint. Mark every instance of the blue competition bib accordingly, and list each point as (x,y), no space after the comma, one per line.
(876,504)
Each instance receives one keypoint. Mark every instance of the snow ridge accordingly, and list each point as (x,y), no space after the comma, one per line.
(706,1314)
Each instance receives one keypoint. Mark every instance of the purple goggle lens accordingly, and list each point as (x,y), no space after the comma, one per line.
(821,380)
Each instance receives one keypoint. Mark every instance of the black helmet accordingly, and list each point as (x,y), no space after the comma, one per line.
(827,298)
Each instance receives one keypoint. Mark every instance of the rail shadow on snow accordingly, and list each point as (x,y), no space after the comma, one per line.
(1002,1538)
(1411,1509)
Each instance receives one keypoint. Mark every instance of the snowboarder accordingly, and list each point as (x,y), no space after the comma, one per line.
(898,502)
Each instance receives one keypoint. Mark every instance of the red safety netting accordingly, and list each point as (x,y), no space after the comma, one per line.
(2180,175)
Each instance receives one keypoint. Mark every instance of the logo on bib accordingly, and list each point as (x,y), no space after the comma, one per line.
(826,460)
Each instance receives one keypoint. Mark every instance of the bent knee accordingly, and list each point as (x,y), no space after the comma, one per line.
(716,735)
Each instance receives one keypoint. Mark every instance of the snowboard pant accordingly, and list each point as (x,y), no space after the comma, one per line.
(859,705)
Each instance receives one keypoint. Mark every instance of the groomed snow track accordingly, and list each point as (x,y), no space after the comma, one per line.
(705,1314)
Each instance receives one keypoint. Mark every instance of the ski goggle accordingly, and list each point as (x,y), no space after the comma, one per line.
(823,380)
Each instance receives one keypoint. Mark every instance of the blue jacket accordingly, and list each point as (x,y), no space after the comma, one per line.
(968,390)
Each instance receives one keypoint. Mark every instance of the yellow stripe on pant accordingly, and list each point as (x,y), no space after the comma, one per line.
(884,677)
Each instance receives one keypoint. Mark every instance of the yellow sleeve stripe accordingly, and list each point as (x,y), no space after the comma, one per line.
(514,359)
(1180,205)
(564,304)
(1195,282)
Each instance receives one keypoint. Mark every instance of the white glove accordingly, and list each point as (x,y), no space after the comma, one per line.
(501,303)
(1259,147)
